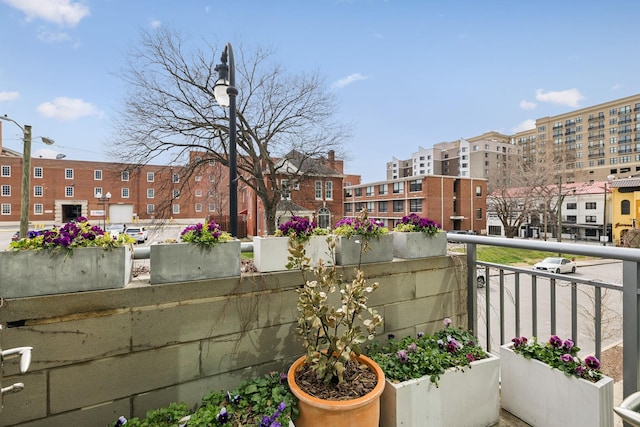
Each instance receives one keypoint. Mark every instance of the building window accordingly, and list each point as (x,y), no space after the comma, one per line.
(198,207)
(125,193)
(150,209)
(97,191)
(175,209)
(68,191)
(359,206)
(38,190)
(590,218)
(198,193)
(370,206)
(572,205)
(328,190)
(68,173)
(348,207)
(176,179)
(124,175)
(198,178)
(478,191)
(358,192)
(324,218)
(176,193)
(369,190)
(398,205)
(37,172)
(625,207)
(479,213)
(398,187)
(383,206)
(415,185)
(6,209)
(318,190)
(285,190)
(590,205)
(97,175)
(150,193)
(212,207)
(6,171)
(6,190)
(151,177)
(38,209)
(415,205)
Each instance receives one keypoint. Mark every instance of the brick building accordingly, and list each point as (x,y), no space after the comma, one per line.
(456,203)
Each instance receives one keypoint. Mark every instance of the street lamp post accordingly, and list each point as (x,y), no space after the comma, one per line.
(104,199)
(25,190)
(225,92)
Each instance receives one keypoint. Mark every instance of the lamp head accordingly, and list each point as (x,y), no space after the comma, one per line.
(222,84)
(47,141)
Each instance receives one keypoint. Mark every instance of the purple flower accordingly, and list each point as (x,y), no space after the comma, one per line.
(402,355)
(555,341)
(452,345)
(412,348)
(223,416)
(566,358)
(440,343)
(420,334)
(447,322)
(390,336)
(283,377)
(470,357)
(567,345)
(517,342)
(580,369)
(592,362)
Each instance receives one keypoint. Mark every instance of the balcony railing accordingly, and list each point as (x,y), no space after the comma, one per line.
(505,306)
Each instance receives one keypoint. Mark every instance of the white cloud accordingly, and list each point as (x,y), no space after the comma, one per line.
(65,13)
(528,105)
(155,24)
(526,125)
(8,96)
(616,86)
(348,80)
(569,97)
(68,109)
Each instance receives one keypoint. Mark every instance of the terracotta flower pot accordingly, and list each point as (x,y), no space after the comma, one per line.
(361,412)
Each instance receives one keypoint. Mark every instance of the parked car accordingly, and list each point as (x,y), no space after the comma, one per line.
(116,229)
(480,277)
(140,234)
(556,265)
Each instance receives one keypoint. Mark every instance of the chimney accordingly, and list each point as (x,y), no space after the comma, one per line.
(332,156)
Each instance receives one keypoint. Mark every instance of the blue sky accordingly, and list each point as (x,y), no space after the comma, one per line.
(406,73)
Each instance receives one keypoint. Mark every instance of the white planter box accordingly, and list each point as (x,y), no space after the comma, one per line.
(380,249)
(468,398)
(31,273)
(419,245)
(272,253)
(542,396)
(186,262)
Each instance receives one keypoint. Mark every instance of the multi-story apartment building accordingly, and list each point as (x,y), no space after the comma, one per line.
(456,203)
(482,156)
(590,143)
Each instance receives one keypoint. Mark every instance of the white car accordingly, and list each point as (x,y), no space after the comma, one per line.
(115,230)
(556,265)
(139,234)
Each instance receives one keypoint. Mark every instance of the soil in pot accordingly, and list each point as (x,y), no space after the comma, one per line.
(359,380)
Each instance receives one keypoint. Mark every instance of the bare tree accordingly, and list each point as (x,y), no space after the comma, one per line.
(170,110)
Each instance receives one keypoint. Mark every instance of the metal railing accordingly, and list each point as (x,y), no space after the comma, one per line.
(630,296)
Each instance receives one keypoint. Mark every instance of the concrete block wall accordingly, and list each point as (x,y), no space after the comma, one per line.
(101,354)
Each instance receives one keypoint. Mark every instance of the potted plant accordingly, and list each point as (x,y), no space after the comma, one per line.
(336,385)
(418,237)
(431,377)
(75,257)
(260,402)
(270,253)
(207,252)
(362,240)
(546,383)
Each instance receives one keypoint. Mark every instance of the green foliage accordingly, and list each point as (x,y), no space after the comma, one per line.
(427,355)
(264,399)
(561,355)
(360,226)
(510,256)
(207,235)
(332,335)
